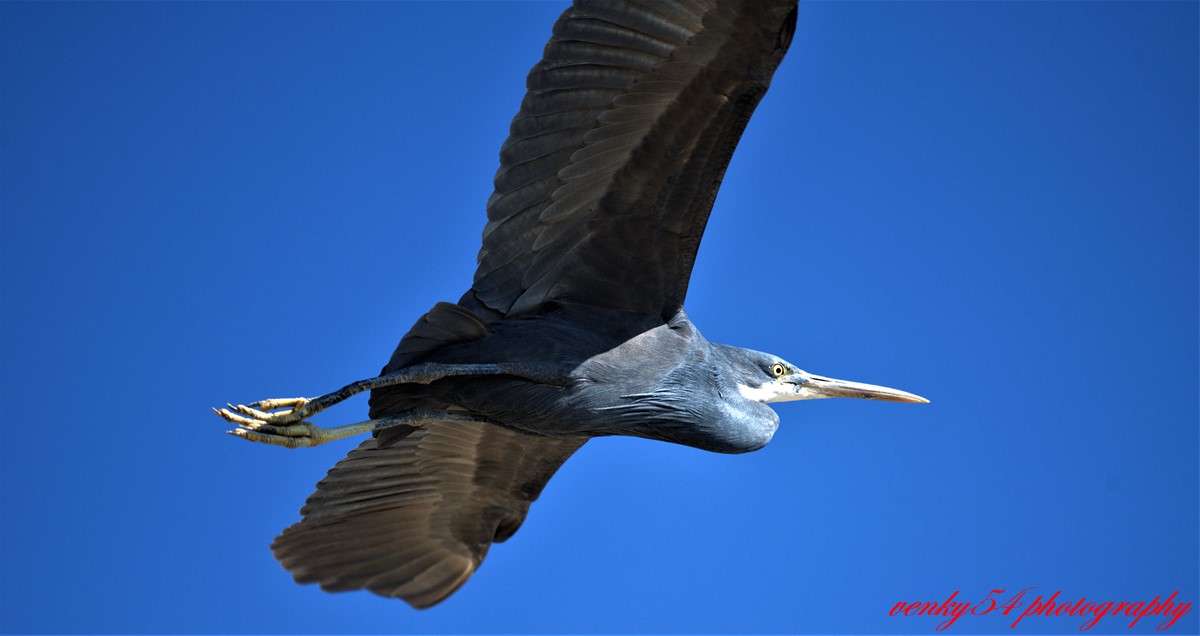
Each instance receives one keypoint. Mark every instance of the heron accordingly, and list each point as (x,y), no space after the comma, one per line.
(574,325)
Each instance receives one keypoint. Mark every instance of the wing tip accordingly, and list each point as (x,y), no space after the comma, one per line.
(429,586)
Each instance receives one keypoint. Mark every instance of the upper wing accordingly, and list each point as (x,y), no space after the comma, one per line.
(612,165)
(411,513)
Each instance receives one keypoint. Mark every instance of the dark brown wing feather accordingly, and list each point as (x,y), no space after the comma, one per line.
(411,514)
(613,163)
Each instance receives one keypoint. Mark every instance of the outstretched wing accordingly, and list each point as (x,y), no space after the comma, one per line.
(614,160)
(411,513)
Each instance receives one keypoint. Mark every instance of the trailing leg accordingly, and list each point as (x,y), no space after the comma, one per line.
(307,434)
(296,409)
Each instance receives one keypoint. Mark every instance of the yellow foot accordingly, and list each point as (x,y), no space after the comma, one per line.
(259,426)
(260,411)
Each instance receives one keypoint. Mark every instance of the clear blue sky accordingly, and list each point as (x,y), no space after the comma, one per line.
(991,204)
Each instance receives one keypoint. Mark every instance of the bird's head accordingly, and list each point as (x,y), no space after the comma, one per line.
(765,378)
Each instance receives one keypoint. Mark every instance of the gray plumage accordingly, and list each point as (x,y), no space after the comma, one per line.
(574,326)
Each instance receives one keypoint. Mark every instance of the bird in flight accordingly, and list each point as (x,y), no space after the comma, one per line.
(574,326)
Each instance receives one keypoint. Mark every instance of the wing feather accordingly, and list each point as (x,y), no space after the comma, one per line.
(614,160)
(415,518)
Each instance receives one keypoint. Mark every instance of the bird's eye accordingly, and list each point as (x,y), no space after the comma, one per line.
(777,370)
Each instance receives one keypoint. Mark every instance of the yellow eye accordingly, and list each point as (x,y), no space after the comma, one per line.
(777,370)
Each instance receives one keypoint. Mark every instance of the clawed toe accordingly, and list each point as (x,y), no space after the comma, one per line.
(234,418)
(256,423)
(259,412)
(302,434)
(268,437)
(279,403)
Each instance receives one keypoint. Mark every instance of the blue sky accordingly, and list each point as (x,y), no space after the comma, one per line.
(990,204)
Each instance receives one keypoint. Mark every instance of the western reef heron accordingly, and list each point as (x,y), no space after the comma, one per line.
(574,325)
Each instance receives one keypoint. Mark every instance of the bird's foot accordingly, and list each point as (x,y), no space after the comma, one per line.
(265,411)
(258,426)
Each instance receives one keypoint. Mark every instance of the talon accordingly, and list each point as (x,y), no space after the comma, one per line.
(278,403)
(255,413)
(231,413)
(254,425)
(236,419)
(303,429)
(274,440)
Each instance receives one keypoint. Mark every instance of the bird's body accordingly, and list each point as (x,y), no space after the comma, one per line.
(574,325)
(680,391)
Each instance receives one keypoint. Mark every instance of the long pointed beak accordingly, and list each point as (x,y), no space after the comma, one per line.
(809,387)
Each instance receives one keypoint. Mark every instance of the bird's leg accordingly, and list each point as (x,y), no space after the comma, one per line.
(306,434)
(296,409)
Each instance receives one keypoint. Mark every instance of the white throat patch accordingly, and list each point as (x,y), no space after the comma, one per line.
(777,392)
